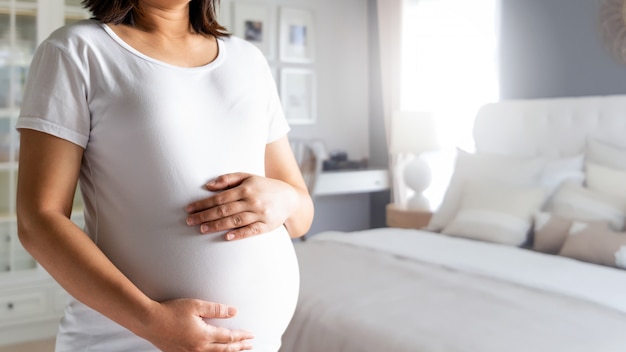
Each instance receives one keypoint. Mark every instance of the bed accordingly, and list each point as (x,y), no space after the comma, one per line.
(527,251)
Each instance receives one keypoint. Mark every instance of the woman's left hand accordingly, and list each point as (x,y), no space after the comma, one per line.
(245,204)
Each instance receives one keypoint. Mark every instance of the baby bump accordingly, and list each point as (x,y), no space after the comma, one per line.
(258,275)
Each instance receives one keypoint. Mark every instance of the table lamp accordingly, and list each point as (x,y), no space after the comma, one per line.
(412,134)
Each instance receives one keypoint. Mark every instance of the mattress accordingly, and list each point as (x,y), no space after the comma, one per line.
(410,290)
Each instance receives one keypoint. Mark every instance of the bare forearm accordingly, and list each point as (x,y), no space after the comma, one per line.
(299,223)
(79,266)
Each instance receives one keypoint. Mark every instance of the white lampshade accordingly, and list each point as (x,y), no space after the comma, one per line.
(414,132)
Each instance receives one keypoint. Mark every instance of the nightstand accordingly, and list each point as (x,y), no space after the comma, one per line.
(407,218)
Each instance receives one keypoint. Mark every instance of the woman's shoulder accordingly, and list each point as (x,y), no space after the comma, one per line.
(77,34)
(242,48)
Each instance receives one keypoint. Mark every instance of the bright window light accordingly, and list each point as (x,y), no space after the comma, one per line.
(449,62)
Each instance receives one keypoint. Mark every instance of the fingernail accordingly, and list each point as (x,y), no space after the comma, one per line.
(232,311)
(204,228)
(230,236)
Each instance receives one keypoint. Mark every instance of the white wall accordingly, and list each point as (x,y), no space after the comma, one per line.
(342,64)
(342,68)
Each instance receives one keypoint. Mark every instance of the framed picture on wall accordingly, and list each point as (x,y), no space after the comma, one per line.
(298,95)
(297,35)
(253,23)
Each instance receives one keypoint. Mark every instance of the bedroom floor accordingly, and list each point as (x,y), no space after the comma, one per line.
(34,346)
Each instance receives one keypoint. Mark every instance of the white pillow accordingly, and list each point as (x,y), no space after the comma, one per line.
(513,171)
(573,201)
(606,180)
(496,213)
(559,170)
(605,154)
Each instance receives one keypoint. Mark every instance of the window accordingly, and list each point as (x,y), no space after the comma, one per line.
(449,62)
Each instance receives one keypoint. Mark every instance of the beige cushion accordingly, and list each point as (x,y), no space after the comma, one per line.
(545,172)
(550,232)
(605,179)
(596,243)
(606,154)
(515,171)
(493,212)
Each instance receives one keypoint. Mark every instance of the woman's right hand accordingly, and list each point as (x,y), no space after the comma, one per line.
(178,326)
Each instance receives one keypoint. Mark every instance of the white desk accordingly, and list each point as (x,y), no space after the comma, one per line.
(351,181)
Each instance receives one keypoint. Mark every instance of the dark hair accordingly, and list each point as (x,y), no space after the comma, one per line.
(202,14)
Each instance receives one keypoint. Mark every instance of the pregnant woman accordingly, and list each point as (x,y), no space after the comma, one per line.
(176,135)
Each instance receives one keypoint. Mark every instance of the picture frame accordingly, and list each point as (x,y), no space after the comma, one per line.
(297,35)
(298,93)
(254,23)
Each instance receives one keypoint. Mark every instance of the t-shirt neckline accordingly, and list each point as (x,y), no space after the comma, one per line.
(216,62)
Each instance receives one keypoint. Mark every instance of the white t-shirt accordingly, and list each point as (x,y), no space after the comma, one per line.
(153,134)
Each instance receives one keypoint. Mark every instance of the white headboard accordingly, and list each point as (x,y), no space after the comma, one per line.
(551,127)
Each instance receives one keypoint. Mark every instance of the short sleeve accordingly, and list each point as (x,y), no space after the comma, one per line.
(55,96)
(278,122)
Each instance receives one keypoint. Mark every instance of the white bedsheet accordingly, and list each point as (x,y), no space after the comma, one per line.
(595,283)
(411,291)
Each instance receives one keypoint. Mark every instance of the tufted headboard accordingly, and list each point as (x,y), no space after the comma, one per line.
(551,127)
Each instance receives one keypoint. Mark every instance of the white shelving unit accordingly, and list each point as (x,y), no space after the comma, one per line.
(30,302)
